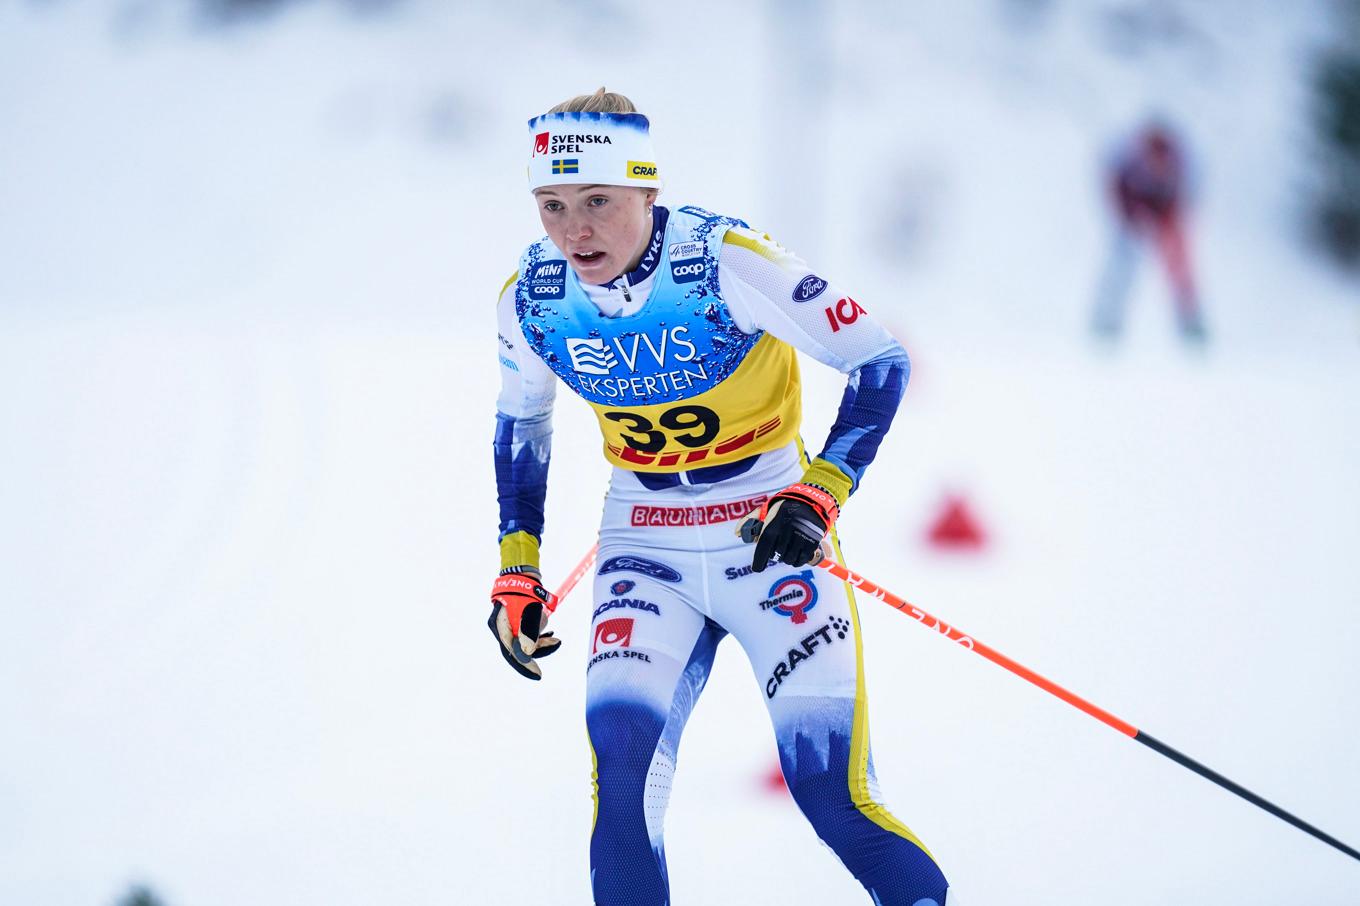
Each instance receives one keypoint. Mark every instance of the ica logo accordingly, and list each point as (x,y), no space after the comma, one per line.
(845,312)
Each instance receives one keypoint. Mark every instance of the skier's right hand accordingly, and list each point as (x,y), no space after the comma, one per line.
(519,612)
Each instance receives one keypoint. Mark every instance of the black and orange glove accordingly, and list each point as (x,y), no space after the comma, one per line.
(519,612)
(790,526)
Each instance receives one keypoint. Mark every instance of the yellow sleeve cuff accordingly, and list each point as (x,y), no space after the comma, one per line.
(519,549)
(830,478)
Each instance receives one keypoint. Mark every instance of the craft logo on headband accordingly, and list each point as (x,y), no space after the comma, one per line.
(610,149)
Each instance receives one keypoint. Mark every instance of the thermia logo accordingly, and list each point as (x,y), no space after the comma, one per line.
(548,280)
(792,596)
(594,356)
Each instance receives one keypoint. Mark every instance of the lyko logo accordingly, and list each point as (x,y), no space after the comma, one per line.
(541,144)
(687,271)
(616,633)
(846,311)
(590,356)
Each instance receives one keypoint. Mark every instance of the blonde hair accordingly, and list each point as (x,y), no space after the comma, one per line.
(600,102)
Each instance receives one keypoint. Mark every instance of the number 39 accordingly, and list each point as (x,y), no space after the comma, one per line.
(643,436)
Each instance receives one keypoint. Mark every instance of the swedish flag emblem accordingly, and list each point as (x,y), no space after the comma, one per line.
(566,165)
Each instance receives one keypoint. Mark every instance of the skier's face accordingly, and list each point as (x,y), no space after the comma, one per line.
(603,230)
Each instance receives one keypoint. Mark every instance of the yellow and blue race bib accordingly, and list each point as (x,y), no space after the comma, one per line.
(676,385)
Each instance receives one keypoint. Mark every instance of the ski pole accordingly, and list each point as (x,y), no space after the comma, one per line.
(954,634)
(575,576)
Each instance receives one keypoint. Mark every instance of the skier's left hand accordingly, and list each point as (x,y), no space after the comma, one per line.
(791,526)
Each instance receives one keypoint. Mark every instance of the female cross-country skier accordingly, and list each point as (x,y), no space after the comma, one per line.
(678,326)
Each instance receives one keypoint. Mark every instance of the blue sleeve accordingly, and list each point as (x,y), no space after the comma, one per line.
(522,449)
(868,406)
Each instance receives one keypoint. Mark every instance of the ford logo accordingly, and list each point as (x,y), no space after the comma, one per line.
(809,288)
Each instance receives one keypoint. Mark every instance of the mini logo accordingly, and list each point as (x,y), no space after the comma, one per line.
(540,144)
(809,288)
(846,311)
(548,280)
(566,165)
(622,587)
(641,169)
(615,633)
(792,596)
(590,356)
(639,565)
(687,271)
(680,250)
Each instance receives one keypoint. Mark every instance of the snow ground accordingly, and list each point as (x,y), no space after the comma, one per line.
(246,503)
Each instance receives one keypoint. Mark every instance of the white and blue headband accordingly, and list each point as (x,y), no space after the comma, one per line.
(608,149)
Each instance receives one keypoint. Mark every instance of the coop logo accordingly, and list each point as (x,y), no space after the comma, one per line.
(541,143)
(687,271)
(590,356)
(639,565)
(792,596)
(844,313)
(548,280)
(809,288)
(827,634)
(626,604)
(615,633)
(641,169)
(598,357)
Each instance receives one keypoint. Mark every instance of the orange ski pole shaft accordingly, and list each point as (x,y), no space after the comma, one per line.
(573,577)
(954,634)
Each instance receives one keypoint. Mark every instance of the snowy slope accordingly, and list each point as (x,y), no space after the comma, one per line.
(246,503)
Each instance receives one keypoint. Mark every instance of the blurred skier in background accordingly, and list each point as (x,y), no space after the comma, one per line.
(1147,188)
(678,327)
